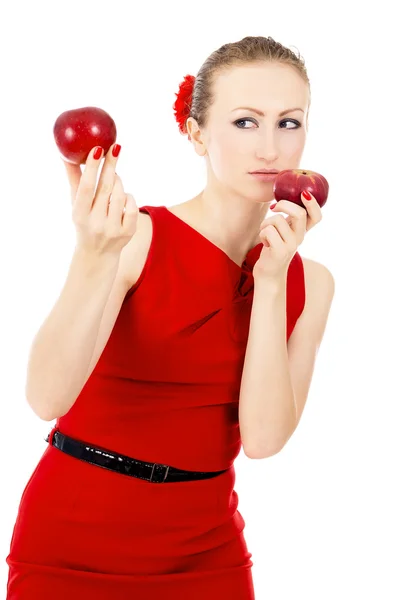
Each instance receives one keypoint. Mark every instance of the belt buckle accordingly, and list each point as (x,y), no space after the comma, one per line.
(159,474)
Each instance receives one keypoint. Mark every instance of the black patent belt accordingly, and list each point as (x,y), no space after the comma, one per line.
(107,459)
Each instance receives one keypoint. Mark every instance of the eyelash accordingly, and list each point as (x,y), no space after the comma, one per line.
(284,121)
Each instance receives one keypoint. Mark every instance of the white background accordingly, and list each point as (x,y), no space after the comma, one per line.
(321,516)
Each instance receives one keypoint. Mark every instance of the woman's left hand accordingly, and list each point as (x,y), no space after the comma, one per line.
(282,236)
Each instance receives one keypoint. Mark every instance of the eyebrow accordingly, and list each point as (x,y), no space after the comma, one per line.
(259,112)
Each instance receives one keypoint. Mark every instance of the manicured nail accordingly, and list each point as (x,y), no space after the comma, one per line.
(97,153)
(116,149)
(273,206)
(307,195)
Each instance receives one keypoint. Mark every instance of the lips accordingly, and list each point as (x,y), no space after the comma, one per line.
(265,171)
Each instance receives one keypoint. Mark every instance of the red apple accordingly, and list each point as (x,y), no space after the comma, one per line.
(289,184)
(77,131)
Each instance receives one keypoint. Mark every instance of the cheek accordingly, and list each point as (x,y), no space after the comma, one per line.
(226,151)
(292,145)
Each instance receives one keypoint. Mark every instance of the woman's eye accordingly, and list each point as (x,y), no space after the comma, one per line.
(291,121)
(244,121)
(237,123)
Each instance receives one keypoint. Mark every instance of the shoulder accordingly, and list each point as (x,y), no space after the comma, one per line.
(319,283)
(141,240)
(134,255)
(144,224)
(310,326)
(316,273)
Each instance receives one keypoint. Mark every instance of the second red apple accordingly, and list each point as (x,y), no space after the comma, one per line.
(290,183)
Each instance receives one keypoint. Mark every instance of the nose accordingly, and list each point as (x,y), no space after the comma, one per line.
(267,147)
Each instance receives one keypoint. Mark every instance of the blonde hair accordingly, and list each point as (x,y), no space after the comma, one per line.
(248,50)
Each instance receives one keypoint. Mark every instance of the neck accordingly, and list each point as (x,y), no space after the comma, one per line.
(234,223)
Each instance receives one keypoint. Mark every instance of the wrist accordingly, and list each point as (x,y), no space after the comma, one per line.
(271,284)
(94,261)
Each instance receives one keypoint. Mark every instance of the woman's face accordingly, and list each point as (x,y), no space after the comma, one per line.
(239,140)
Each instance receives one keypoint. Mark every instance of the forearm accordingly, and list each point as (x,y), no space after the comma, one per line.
(267,411)
(61,351)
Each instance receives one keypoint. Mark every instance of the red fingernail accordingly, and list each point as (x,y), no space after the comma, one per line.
(307,195)
(273,206)
(97,153)
(116,149)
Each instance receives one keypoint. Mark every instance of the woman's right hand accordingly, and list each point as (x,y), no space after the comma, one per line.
(104,225)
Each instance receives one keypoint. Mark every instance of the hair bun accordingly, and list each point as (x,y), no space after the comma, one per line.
(182,105)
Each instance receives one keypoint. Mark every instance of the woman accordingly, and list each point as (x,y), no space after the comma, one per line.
(182,334)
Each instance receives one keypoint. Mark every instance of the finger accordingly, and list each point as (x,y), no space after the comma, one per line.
(290,208)
(105,183)
(298,215)
(130,213)
(88,180)
(282,226)
(74,174)
(312,207)
(271,235)
(117,201)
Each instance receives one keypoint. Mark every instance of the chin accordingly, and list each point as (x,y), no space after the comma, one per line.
(265,198)
(262,194)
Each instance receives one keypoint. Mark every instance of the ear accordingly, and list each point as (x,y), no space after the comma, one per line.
(196,136)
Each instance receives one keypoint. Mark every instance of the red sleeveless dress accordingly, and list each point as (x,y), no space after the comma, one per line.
(166,390)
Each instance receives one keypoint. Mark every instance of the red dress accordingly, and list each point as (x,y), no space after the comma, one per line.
(165,390)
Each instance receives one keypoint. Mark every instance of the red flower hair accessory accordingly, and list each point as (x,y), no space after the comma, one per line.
(182,105)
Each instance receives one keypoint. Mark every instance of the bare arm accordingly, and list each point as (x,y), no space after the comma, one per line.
(63,347)
(267,410)
(277,375)
(106,220)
